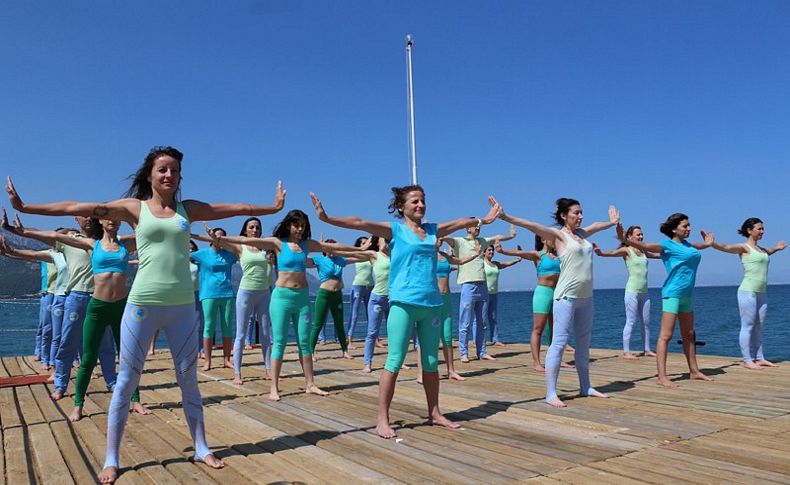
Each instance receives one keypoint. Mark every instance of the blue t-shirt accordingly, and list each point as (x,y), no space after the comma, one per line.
(214,267)
(329,268)
(413,266)
(44,281)
(681,261)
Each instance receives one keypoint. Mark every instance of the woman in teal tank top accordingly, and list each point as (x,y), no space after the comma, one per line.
(162,295)
(413,291)
(637,300)
(752,299)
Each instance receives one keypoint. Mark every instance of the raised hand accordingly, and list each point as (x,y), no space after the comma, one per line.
(5,225)
(494,212)
(620,232)
(369,242)
(614,215)
(18,223)
(781,245)
(279,196)
(13,196)
(708,238)
(497,245)
(318,206)
(597,249)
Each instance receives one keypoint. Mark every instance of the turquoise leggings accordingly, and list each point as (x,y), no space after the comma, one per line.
(446,317)
(226,308)
(290,305)
(400,323)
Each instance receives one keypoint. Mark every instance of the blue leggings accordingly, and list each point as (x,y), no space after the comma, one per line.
(44,337)
(360,296)
(58,304)
(401,320)
(378,310)
(251,303)
(576,313)
(753,307)
(137,329)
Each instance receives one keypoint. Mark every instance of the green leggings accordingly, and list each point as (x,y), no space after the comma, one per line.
(445,316)
(400,323)
(226,308)
(289,304)
(98,316)
(329,301)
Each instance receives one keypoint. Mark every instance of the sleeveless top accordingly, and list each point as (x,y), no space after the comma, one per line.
(256,273)
(79,263)
(109,261)
(755,270)
(492,278)
(413,270)
(637,272)
(381,274)
(443,268)
(288,260)
(548,265)
(575,269)
(364,274)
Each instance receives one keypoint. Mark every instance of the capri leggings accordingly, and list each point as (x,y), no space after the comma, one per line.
(290,305)
(325,302)
(446,317)
(251,303)
(637,308)
(576,313)
(137,329)
(400,322)
(225,308)
(753,307)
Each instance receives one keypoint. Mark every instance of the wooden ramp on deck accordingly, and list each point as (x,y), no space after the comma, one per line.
(733,430)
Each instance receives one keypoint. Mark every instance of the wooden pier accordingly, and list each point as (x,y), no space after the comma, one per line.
(733,430)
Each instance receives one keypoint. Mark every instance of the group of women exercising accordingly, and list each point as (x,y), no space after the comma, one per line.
(402,276)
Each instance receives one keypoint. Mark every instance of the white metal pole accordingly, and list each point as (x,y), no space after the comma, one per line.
(412,133)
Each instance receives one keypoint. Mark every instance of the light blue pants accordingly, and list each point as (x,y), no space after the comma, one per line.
(753,307)
(637,308)
(44,335)
(473,298)
(137,330)
(490,311)
(58,304)
(378,311)
(249,338)
(251,304)
(360,296)
(576,313)
(74,310)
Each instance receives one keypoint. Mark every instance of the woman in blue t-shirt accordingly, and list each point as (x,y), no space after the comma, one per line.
(681,259)
(413,291)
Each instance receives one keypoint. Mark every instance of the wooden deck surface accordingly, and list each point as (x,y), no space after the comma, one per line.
(733,430)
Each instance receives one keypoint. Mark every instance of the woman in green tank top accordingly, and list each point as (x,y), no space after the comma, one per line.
(162,294)
(752,300)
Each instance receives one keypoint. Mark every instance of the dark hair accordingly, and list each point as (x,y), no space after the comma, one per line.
(192,244)
(283,230)
(538,243)
(748,225)
(629,232)
(358,242)
(563,206)
(374,242)
(399,198)
(243,231)
(141,187)
(96,231)
(330,240)
(672,223)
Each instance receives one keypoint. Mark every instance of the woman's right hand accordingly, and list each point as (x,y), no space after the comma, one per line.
(319,207)
(13,195)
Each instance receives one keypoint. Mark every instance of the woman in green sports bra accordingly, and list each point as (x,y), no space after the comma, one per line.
(752,300)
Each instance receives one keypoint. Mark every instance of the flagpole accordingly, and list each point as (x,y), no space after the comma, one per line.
(410,95)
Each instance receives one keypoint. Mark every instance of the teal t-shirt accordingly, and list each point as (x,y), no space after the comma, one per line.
(413,266)
(44,280)
(681,261)
(215,269)
(329,268)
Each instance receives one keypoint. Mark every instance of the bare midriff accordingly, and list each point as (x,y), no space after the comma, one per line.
(109,287)
(549,280)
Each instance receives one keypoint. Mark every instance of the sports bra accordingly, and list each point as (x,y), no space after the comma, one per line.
(109,262)
(548,265)
(288,260)
(443,268)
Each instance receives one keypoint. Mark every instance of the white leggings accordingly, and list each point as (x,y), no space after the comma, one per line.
(576,313)
(753,307)
(637,307)
(137,329)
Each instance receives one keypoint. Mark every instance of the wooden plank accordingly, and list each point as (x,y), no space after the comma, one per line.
(9,414)
(31,414)
(18,466)
(82,465)
(12,366)
(50,466)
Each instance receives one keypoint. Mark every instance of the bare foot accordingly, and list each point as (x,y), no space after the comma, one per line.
(140,409)
(75,364)
(487,357)
(322,342)
(440,420)
(76,414)
(315,359)
(44,367)
(380,345)
(419,379)
(238,380)
(367,369)
(667,383)
(404,367)
(699,376)
(766,363)
(385,431)
(206,366)
(151,352)
(630,356)
(351,347)
(247,347)
(95,375)
(274,395)
(348,356)
(500,344)
(752,365)
(594,393)
(212,461)
(51,379)
(56,396)
(313,389)
(108,475)
(456,376)
(201,355)
(36,358)
(567,365)
(556,403)
(539,368)
(649,353)
(228,364)
(464,360)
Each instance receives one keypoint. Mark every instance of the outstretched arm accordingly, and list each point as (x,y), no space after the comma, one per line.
(730,248)
(780,246)
(51,237)
(205,211)
(547,233)
(614,219)
(265,243)
(465,222)
(511,235)
(708,240)
(507,263)
(23,254)
(615,253)
(652,247)
(452,259)
(381,229)
(220,242)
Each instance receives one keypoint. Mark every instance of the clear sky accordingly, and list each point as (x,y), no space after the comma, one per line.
(656,107)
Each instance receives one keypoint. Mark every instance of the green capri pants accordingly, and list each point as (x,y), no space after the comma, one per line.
(445,316)
(290,305)
(328,301)
(400,323)
(226,309)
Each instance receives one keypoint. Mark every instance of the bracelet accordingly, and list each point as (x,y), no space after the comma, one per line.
(479,222)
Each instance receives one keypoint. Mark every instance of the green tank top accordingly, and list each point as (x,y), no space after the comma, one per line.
(575,268)
(637,272)
(381,273)
(364,275)
(492,278)
(79,264)
(256,273)
(755,270)
(163,277)
(52,276)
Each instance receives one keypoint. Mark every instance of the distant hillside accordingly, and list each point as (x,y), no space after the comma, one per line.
(19,278)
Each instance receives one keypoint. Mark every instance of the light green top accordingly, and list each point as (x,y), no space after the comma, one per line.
(163,277)
(492,277)
(575,268)
(256,273)
(381,274)
(755,270)
(194,273)
(471,272)
(79,264)
(364,276)
(637,272)
(52,274)
(62,278)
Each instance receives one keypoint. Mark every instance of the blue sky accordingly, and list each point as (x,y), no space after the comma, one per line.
(656,107)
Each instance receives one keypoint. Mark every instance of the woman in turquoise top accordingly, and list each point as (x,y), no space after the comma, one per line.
(162,295)
(681,259)
(413,292)
(492,269)
(637,300)
(752,300)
